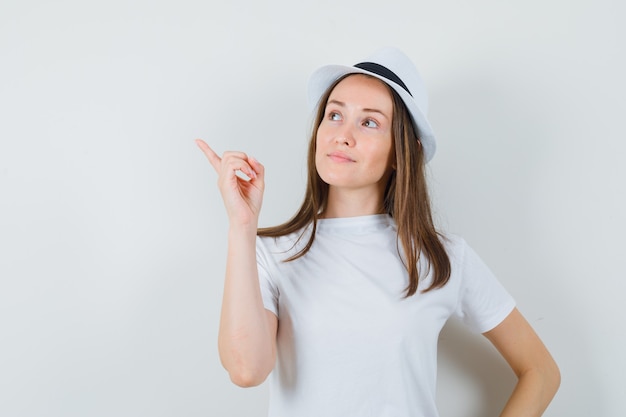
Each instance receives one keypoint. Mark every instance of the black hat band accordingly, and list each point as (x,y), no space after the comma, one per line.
(383,72)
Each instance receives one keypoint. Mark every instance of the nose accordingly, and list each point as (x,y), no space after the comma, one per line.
(345,135)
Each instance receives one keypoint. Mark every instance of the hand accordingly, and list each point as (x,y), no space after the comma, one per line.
(242,197)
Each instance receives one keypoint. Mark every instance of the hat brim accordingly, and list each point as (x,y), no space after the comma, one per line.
(325,76)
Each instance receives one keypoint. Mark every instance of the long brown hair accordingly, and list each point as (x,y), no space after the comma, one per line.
(406,200)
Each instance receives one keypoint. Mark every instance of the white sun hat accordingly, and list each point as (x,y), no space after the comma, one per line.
(393,67)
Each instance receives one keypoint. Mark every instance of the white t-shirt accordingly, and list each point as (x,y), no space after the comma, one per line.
(349,342)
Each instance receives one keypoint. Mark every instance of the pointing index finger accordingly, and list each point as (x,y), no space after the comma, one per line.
(210,154)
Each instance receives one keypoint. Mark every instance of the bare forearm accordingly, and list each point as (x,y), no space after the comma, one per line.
(537,372)
(247,336)
(533,392)
(246,345)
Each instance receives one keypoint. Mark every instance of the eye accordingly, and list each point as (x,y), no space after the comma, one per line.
(333,115)
(370,123)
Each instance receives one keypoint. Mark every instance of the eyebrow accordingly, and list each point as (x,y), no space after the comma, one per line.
(342,104)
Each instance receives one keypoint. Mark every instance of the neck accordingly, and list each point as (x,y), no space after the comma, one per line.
(352,203)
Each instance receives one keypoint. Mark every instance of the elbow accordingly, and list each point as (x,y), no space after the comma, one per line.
(247,373)
(247,378)
(546,378)
(553,378)
(247,367)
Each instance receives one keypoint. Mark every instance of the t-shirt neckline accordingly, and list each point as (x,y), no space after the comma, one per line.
(359,224)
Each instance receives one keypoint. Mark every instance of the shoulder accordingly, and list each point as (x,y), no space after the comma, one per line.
(287,244)
(454,245)
(464,260)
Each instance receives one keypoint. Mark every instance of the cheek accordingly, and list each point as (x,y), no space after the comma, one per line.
(318,151)
(385,155)
(321,133)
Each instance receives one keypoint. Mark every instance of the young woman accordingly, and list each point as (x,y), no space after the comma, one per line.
(345,301)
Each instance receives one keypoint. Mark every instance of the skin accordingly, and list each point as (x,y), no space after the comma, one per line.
(354,156)
(354,146)
(538,375)
(247,334)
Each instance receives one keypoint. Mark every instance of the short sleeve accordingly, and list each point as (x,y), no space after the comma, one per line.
(484,302)
(269,291)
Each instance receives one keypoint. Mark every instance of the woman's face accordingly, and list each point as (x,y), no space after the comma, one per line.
(354,147)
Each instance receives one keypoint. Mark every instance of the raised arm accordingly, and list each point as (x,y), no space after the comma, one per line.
(537,373)
(247,335)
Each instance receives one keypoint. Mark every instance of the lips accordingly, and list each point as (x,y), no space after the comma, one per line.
(340,157)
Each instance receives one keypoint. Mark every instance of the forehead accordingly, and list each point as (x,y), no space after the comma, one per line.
(363,90)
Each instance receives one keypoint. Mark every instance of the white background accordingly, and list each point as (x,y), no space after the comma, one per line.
(112,230)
